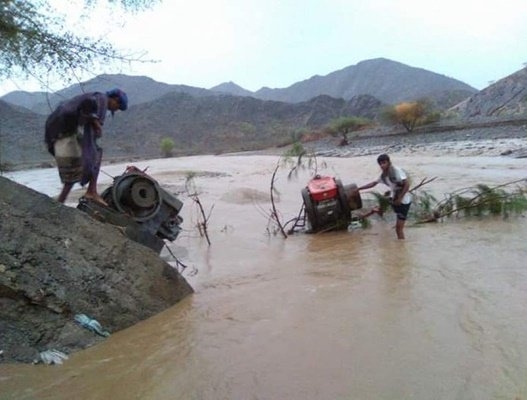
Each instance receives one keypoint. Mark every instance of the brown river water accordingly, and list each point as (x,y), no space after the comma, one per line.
(342,315)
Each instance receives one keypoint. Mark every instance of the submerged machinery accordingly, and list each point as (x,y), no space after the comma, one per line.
(147,212)
(328,203)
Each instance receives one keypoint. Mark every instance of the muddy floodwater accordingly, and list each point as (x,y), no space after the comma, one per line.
(343,315)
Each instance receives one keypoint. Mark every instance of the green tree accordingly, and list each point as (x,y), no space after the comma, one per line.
(34,42)
(345,125)
(167,146)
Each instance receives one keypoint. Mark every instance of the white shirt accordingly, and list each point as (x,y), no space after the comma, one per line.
(394,180)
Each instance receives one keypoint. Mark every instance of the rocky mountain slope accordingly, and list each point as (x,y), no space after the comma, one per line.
(21,135)
(504,98)
(389,81)
(228,123)
(205,124)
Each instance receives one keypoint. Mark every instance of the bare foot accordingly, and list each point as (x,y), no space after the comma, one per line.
(96,198)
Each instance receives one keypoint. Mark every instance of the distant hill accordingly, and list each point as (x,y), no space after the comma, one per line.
(506,97)
(223,123)
(389,81)
(140,89)
(25,99)
(21,135)
(205,124)
(231,88)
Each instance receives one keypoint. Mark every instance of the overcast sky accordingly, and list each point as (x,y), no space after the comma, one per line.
(276,43)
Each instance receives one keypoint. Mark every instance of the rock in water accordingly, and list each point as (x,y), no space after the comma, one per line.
(57,261)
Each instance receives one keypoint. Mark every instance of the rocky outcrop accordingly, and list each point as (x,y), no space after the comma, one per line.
(57,262)
(505,98)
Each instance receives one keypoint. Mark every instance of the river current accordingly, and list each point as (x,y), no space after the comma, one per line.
(342,315)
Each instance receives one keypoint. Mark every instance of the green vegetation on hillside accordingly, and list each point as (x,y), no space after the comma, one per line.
(167,146)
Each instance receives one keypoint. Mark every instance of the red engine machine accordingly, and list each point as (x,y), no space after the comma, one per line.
(328,203)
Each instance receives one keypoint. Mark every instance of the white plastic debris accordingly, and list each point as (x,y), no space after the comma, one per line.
(91,324)
(354,225)
(52,356)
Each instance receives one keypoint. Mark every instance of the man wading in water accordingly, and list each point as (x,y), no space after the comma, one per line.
(71,136)
(396,179)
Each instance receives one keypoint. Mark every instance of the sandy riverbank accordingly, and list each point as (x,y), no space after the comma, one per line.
(491,141)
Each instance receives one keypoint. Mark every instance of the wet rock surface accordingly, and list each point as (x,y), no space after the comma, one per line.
(57,262)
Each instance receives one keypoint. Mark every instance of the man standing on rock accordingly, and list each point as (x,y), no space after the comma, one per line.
(396,179)
(71,137)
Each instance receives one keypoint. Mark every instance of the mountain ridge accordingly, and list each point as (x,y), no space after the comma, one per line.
(203,121)
(387,80)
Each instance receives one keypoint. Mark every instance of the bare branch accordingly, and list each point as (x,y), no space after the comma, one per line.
(274,212)
(35,43)
(423,182)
